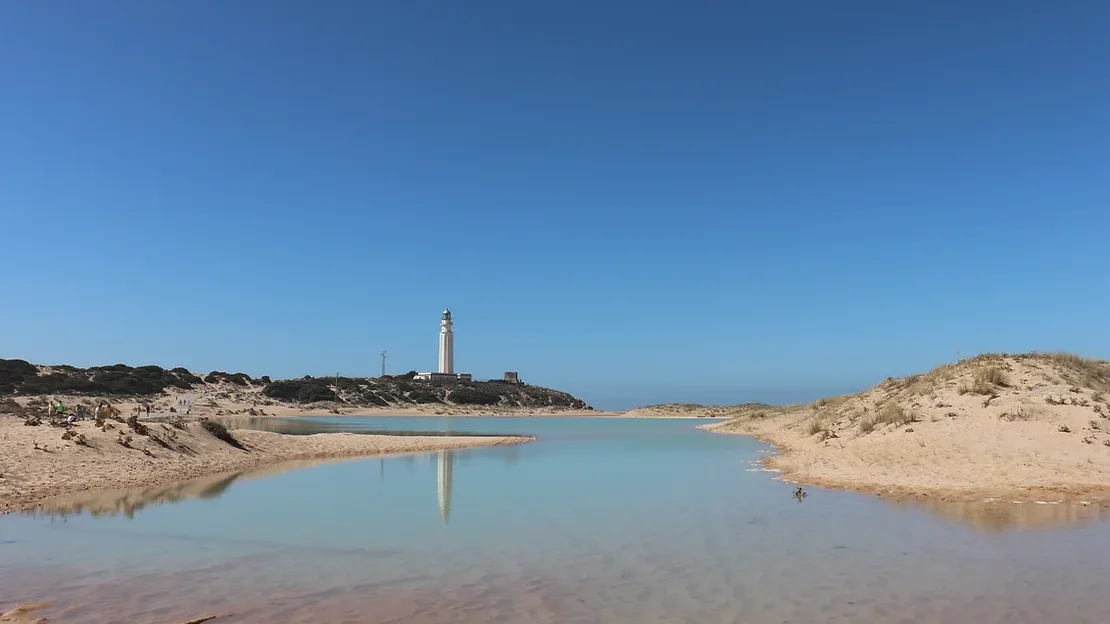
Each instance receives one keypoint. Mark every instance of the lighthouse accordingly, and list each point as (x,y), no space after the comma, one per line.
(446,373)
(446,344)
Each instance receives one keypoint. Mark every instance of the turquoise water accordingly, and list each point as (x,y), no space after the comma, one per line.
(599,520)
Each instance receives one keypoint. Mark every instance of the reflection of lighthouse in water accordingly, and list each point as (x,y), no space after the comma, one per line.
(446,463)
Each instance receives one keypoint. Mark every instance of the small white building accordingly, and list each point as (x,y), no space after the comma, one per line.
(446,372)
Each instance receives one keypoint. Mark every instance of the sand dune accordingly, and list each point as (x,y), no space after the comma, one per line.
(1018,427)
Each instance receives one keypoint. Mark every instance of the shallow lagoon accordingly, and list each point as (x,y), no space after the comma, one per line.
(599,520)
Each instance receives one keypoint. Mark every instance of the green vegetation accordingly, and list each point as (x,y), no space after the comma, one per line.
(299,391)
(19,377)
(474,395)
(13,373)
(238,379)
(424,395)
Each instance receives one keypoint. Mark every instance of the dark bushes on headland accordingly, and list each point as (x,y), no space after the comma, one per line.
(300,391)
(424,395)
(13,373)
(239,379)
(19,377)
(468,395)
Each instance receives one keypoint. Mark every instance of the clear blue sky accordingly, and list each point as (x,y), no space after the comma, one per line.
(633,201)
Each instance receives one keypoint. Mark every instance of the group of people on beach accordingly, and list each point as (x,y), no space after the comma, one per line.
(58,408)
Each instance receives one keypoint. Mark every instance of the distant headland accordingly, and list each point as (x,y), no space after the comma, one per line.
(23,385)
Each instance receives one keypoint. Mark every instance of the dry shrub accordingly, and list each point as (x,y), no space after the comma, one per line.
(815,426)
(1080,371)
(11,406)
(976,386)
(893,414)
(136,426)
(890,414)
(220,432)
(1020,414)
(992,375)
(867,424)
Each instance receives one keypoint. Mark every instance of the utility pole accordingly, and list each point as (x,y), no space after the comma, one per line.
(383,363)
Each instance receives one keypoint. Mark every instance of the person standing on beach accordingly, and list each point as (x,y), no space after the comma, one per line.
(148,410)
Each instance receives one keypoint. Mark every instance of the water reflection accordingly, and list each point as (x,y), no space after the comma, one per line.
(375,426)
(997,516)
(128,502)
(989,516)
(444,469)
(111,503)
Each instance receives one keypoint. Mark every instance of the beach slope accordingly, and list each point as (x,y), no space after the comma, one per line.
(1017,427)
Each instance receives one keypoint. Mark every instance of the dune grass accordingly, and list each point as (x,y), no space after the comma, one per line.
(816,426)
(220,432)
(987,380)
(1076,370)
(889,414)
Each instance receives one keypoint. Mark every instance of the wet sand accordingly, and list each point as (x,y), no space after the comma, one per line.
(842,588)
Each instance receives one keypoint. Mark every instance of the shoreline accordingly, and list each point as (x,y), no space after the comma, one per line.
(1018,428)
(416,412)
(1049,493)
(38,464)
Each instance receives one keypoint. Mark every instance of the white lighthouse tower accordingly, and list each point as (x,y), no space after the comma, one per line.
(446,372)
(446,344)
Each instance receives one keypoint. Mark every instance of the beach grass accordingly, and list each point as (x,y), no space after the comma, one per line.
(220,432)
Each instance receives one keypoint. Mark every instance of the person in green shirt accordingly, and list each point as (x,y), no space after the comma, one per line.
(60,408)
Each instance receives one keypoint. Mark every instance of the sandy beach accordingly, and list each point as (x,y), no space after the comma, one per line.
(42,462)
(1023,428)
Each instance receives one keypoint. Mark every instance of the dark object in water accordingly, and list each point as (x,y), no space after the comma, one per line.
(799,494)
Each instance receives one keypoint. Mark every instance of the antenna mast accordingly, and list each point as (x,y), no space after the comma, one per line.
(383,363)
